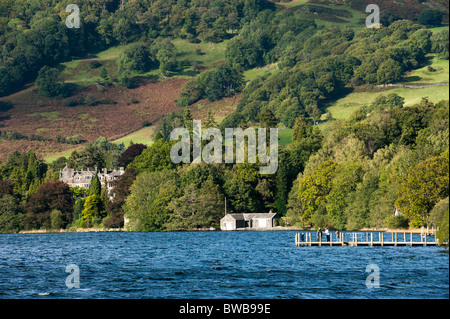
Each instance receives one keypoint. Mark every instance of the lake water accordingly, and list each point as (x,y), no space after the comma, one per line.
(209,265)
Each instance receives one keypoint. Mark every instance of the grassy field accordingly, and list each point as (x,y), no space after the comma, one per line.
(143,136)
(253,73)
(425,76)
(344,107)
(284,136)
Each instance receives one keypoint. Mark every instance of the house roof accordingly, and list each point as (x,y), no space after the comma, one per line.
(260,215)
(251,216)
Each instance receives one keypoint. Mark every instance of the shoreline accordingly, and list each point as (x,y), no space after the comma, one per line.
(276,228)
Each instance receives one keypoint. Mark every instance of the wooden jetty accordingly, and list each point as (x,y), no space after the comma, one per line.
(365,239)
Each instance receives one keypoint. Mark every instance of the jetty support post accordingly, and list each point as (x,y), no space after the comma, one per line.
(411,238)
(395,239)
(382,239)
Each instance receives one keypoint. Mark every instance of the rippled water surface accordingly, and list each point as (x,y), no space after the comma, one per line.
(212,265)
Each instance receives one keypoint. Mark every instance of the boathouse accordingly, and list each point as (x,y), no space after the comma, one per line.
(257,221)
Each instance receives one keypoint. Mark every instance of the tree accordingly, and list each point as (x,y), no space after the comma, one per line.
(439,44)
(11,215)
(282,184)
(442,235)
(136,57)
(5,81)
(56,219)
(302,129)
(392,100)
(210,121)
(430,17)
(49,82)
(240,190)
(390,71)
(154,158)
(167,60)
(120,191)
(95,187)
(214,84)
(314,112)
(130,154)
(146,206)
(197,208)
(423,186)
(267,119)
(51,195)
(313,189)
(92,213)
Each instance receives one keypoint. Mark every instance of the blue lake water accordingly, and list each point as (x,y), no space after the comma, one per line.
(205,265)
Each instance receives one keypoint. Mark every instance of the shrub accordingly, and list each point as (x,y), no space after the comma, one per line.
(399,221)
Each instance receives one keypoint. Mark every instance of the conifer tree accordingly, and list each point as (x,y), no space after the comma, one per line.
(95,187)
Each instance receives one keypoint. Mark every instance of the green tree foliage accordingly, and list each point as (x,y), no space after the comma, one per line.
(377,161)
(424,185)
(92,211)
(11,215)
(136,57)
(197,208)
(95,186)
(154,158)
(24,173)
(147,206)
(56,219)
(49,82)
(390,71)
(442,235)
(213,85)
(102,153)
(439,44)
(314,188)
(431,17)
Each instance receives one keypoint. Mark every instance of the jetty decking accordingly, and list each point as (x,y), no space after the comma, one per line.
(365,239)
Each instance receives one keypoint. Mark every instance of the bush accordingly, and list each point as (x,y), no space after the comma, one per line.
(56,219)
(94,64)
(49,82)
(399,221)
(431,17)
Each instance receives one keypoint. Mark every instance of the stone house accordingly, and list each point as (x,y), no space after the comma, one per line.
(259,221)
(82,178)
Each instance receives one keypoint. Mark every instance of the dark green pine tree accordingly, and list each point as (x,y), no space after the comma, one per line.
(282,185)
(95,188)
